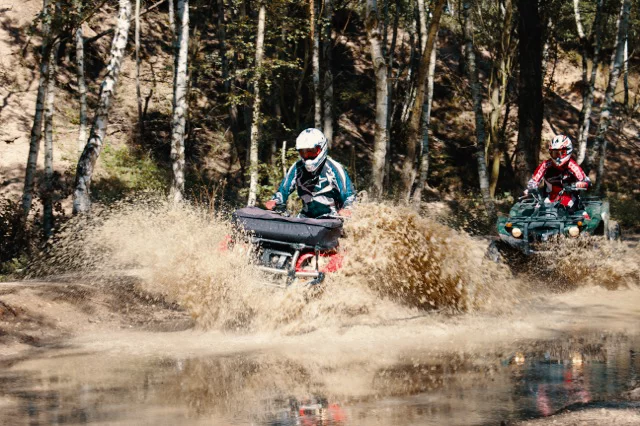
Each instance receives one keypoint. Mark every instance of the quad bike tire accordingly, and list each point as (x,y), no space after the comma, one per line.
(613,231)
(493,253)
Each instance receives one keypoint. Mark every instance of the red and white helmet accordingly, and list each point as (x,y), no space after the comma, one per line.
(560,149)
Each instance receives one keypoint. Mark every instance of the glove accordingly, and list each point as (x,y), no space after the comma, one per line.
(526,193)
(583,185)
(344,213)
(270,205)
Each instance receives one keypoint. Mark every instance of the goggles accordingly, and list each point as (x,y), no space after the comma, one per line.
(558,153)
(309,153)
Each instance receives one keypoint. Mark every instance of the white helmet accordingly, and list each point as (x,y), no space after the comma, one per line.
(560,149)
(313,147)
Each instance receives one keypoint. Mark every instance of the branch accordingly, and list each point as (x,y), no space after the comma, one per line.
(110,31)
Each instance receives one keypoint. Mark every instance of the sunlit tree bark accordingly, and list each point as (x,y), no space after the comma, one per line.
(617,57)
(36,128)
(588,82)
(380,71)
(180,105)
(328,74)
(47,199)
(315,65)
(419,108)
(137,46)
(82,85)
(476,94)
(257,100)
(87,161)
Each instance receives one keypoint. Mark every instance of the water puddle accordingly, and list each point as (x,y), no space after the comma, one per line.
(522,381)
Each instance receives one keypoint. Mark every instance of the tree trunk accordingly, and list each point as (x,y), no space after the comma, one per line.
(422,21)
(86,163)
(380,70)
(589,84)
(530,103)
(476,94)
(617,58)
(498,93)
(315,64)
(328,75)
(255,125)
(426,118)
(180,104)
(47,199)
(390,91)
(138,91)
(82,86)
(626,72)
(416,124)
(36,129)
(172,22)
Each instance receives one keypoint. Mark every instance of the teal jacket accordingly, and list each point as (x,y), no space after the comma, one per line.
(322,194)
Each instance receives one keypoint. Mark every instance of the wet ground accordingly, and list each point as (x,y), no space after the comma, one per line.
(525,380)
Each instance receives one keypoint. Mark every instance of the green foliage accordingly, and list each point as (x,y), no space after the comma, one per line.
(126,173)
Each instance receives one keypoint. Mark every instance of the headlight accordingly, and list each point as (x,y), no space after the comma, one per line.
(516,232)
(574,231)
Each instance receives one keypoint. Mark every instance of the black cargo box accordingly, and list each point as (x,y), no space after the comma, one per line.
(320,233)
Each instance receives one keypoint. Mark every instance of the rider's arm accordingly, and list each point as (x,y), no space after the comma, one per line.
(286,186)
(345,186)
(579,174)
(538,175)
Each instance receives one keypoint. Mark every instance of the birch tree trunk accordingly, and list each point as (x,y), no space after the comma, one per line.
(416,123)
(625,64)
(172,21)
(47,212)
(380,70)
(180,104)
(138,91)
(255,124)
(36,129)
(91,152)
(617,58)
(590,83)
(82,85)
(315,65)
(530,101)
(477,108)
(426,118)
(422,18)
(328,74)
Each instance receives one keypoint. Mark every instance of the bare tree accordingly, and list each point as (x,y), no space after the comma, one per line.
(617,58)
(420,108)
(257,100)
(477,107)
(380,69)
(82,85)
(530,102)
(180,105)
(91,152)
(36,129)
(315,64)
(47,213)
(588,82)
(328,75)
(137,43)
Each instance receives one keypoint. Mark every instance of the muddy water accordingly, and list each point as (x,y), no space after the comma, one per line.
(530,379)
(416,329)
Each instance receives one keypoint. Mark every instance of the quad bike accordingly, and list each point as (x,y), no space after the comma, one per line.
(532,221)
(299,249)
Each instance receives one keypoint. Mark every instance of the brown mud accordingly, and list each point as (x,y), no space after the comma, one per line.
(134,322)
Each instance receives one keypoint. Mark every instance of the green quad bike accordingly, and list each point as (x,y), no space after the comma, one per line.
(532,222)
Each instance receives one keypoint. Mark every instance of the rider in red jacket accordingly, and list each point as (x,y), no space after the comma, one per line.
(559,171)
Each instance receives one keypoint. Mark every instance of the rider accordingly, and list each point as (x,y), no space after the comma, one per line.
(559,171)
(322,183)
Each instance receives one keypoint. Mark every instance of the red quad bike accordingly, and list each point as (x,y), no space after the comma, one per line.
(296,248)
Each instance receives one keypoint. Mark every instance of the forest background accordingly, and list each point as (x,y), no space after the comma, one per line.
(441,103)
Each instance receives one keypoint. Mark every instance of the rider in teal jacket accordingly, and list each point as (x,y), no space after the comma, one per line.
(322,183)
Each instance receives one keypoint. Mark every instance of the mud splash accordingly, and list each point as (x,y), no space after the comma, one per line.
(398,265)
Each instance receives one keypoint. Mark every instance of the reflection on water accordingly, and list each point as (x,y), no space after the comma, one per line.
(532,380)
